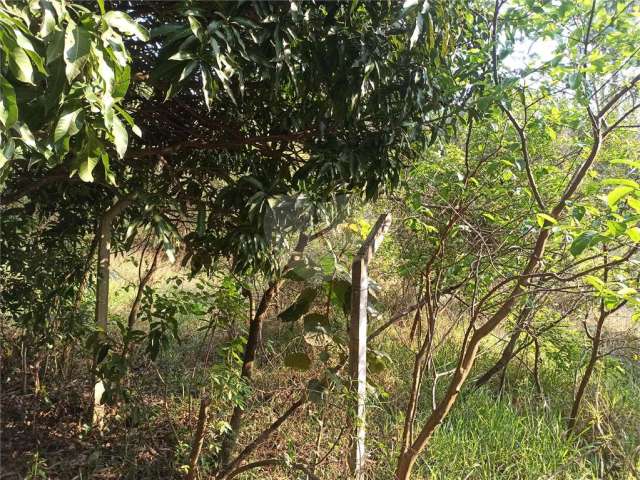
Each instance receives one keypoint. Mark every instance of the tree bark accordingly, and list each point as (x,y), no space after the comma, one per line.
(596,340)
(250,349)
(228,470)
(102,292)
(408,457)
(135,307)
(198,438)
(509,349)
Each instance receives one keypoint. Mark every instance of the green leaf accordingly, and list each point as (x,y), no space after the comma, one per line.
(196,27)
(102,352)
(209,86)
(621,181)
(105,70)
(85,169)
(121,83)
(634,234)
(541,218)
(125,24)
(302,270)
(48,24)
(300,306)
(76,49)
(8,103)
(188,69)
(129,119)
(618,194)
(120,136)
(585,240)
(551,133)
(68,125)
(298,361)
(376,362)
(341,294)
(634,203)
(26,136)
(316,390)
(316,330)
(108,173)
(595,282)
(20,65)
(182,56)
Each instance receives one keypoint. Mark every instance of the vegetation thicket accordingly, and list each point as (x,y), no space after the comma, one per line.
(183,188)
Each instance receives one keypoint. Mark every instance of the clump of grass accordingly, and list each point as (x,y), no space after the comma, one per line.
(489,438)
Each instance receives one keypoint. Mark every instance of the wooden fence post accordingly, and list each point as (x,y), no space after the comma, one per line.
(358,340)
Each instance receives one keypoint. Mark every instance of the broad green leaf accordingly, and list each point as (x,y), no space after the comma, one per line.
(3,160)
(634,234)
(129,119)
(48,23)
(316,390)
(86,167)
(595,282)
(585,240)
(8,103)
(298,361)
(121,83)
(618,194)
(68,125)
(634,203)
(188,69)
(105,70)
(108,173)
(341,294)
(20,65)
(26,135)
(196,27)
(125,24)
(302,270)
(316,330)
(415,36)
(541,218)
(300,306)
(376,361)
(77,42)
(621,181)
(120,136)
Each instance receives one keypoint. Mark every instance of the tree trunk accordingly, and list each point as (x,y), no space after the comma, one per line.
(198,438)
(135,307)
(250,349)
(102,293)
(509,349)
(408,458)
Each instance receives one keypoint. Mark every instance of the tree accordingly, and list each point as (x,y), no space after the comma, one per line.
(604,109)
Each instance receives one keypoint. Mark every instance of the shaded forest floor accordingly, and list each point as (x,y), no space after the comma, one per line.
(515,433)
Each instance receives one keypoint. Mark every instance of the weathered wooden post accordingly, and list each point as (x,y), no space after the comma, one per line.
(358,339)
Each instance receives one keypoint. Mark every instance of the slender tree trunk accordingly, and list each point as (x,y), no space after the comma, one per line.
(227,471)
(102,293)
(84,279)
(408,458)
(198,438)
(250,349)
(593,358)
(536,365)
(135,307)
(509,349)
(596,339)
